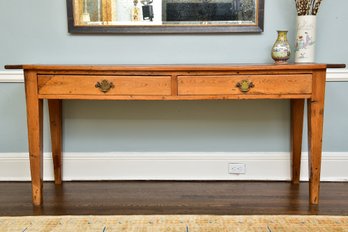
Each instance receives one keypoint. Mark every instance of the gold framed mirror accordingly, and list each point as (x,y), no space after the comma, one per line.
(165,16)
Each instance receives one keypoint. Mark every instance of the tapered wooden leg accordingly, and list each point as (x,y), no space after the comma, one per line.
(315,134)
(35,126)
(297,111)
(55,111)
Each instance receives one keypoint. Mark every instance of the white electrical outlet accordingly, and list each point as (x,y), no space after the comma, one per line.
(235,168)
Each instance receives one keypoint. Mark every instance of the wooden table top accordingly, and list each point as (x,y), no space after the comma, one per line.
(169,67)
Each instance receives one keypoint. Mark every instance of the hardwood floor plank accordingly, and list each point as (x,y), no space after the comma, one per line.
(173,197)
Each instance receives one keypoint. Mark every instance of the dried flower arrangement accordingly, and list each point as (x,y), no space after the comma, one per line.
(307,7)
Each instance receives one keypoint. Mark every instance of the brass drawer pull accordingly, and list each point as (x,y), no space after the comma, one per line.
(245,85)
(104,86)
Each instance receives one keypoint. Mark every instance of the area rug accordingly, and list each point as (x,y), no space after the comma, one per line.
(174,223)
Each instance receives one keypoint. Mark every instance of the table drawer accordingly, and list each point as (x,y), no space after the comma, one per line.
(104,85)
(245,84)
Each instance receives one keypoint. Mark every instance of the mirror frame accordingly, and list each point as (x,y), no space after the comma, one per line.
(166,29)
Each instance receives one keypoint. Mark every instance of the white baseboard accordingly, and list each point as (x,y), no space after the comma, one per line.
(8,76)
(172,166)
(11,76)
(337,75)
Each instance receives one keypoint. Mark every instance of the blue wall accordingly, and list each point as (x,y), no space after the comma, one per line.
(35,31)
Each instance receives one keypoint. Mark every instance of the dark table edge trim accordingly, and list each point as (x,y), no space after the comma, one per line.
(336,65)
(160,66)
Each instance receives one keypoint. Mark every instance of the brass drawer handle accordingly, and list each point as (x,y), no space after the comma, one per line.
(245,85)
(104,86)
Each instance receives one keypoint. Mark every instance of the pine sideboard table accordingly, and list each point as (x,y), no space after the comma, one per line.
(174,82)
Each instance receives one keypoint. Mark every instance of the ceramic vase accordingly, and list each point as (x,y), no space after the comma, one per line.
(281,48)
(305,39)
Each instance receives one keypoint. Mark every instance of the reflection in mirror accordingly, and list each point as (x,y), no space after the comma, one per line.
(213,11)
(177,13)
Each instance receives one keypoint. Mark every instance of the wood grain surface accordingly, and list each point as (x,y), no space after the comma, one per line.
(315,134)
(35,133)
(297,115)
(55,114)
(123,85)
(170,197)
(175,82)
(263,84)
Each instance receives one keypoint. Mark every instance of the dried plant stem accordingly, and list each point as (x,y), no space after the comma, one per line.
(307,7)
(298,7)
(316,7)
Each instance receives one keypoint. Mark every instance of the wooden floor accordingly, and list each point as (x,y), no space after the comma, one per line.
(165,197)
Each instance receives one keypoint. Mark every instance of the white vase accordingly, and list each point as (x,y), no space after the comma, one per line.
(305,39)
